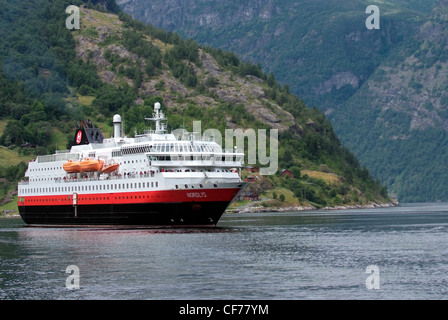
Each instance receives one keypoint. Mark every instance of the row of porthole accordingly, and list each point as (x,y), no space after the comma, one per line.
(85,199)
(59,200)
(91,188)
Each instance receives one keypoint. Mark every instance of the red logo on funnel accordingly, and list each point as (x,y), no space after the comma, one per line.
(78,137)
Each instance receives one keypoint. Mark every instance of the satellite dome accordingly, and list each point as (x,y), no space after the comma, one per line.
(117,118)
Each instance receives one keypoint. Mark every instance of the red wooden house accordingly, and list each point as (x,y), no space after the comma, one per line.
(286,172)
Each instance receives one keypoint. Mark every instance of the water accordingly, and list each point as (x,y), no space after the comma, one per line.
(281,256)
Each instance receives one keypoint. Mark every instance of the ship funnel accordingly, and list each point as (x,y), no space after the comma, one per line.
(117,126)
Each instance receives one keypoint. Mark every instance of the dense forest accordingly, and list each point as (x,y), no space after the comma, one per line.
(45,88)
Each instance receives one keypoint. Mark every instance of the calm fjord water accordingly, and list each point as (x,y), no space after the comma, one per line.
(283,256)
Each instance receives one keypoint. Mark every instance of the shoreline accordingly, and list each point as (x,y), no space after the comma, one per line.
(260,209)
(6,216)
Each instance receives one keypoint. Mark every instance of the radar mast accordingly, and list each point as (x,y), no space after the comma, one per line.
(157,117)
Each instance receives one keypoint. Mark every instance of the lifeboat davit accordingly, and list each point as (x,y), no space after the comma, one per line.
(72,166)
(110,168)
(88,165)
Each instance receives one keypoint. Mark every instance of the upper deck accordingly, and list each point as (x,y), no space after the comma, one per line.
(152,151)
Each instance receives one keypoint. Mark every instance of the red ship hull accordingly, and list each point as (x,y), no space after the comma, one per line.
(173,208)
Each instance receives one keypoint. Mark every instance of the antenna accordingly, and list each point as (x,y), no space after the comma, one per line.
(157,117)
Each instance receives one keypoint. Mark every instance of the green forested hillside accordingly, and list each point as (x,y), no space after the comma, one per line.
(114,64)
(322,49)
(401,112)
(383,90)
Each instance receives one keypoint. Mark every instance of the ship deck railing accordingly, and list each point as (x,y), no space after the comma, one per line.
(104,178)
(57,157)
(130,175)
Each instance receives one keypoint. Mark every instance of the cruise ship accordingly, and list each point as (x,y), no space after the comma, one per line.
(153,179)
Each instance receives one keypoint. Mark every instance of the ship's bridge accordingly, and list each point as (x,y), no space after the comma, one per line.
(225,158)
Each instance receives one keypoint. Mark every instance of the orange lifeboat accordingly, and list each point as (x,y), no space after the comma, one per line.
(110,168)
(72,166)
(88,165)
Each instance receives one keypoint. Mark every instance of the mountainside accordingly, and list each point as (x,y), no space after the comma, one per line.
(114,64)
(383,90)
(402,114)
(322,49)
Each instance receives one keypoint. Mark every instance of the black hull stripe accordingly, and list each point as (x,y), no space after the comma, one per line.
(184,214)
